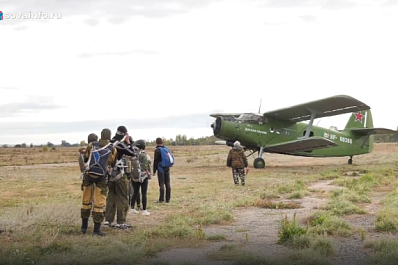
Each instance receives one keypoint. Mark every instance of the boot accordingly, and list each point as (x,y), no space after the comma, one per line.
(83,229)
(97,230)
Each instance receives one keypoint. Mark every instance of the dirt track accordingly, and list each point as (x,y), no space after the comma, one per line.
(261,227)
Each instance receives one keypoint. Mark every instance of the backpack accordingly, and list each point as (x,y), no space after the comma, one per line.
(141,167)
(97,163)
(118,170)
(167,158)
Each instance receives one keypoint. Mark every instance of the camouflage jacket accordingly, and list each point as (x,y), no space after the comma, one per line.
(236,158)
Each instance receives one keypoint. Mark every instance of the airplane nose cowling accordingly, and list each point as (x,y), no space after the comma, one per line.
(217,126)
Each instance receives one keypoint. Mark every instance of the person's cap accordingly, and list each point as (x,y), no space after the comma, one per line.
(121,130)
(237,143)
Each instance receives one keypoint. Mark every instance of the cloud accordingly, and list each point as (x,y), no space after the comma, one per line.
(93,12)
(9,87)
(199,120)
(339,4)
(291,3)
(106,9)
(34,105)
(389,3)
(326,4)
(21,28)
(121,53)
(92,21)
(308,19)
(274,23)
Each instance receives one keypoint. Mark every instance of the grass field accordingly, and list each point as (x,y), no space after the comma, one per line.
(295,211)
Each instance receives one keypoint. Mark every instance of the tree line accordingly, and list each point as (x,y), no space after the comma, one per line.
(386,138)
(180,139)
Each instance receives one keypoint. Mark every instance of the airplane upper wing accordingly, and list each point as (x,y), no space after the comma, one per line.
(301,145)
(366,131)
(215,115)
(325,107)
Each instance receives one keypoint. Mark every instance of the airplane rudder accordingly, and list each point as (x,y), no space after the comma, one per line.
(369,124)
(369,119)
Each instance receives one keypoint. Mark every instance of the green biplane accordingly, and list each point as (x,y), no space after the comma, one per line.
(283,131)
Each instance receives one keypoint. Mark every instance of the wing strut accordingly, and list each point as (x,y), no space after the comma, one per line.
(313,115)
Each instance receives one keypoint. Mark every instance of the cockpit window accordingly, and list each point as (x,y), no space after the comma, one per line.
(251,117)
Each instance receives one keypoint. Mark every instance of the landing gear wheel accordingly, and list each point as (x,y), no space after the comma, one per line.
(350,161)
(259,163)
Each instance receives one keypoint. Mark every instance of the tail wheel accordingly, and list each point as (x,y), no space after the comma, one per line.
(259,163)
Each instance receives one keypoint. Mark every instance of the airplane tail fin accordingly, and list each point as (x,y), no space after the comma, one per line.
(360,119)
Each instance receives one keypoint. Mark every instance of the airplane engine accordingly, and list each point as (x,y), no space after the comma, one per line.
(217,126)
(225,128)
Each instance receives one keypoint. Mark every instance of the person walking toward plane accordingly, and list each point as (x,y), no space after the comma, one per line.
(238,162)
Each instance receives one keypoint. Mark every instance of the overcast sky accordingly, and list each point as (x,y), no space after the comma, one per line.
(161,67)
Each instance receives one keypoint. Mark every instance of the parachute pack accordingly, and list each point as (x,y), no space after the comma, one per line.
(97,163)
(118,170)
(140,167)
(167,158)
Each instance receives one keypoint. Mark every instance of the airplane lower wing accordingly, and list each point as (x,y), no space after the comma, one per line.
(368,131)
(227,143)
(301,145)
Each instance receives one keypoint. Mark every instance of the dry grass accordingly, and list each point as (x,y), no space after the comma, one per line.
(40,206)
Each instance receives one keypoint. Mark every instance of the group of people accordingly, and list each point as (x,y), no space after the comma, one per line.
(118,189)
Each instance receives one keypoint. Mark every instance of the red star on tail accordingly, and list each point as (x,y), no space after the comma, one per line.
(358,116)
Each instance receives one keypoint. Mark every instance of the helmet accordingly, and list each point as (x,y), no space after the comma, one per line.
(106,134)
(140,144)
(92,137)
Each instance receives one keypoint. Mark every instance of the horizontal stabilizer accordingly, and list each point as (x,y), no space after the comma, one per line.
(367,131)
(301,145)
